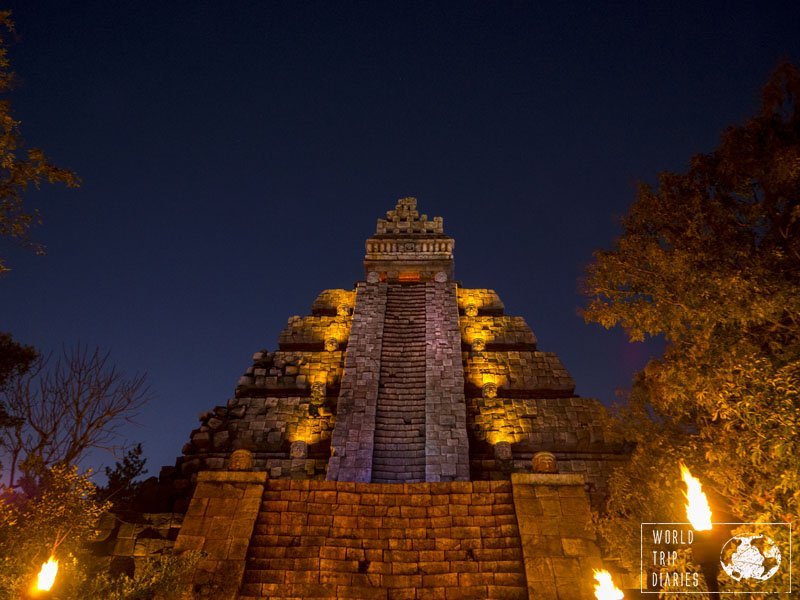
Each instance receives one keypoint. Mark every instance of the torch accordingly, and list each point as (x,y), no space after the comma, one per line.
(708,542)
(605,589)
(47,575)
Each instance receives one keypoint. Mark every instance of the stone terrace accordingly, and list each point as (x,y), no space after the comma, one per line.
(448,540)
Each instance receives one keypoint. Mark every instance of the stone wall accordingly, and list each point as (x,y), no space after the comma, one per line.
(446,446)
(484,301)
(594,467)
(493,331)
(128,540)
(519,396)
(531,537)
(520,371)
(353,436)
(284,397)
(219,523)
(557,536)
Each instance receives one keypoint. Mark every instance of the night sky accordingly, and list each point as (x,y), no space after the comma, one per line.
(235,156)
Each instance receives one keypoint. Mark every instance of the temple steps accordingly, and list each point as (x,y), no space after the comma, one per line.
(319,539)
(399,443)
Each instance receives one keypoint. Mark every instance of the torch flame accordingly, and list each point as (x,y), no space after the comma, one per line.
(697,509)
(605,589)
(47,575)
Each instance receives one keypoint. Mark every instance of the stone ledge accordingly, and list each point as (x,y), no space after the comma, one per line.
(548,479)
(234,476)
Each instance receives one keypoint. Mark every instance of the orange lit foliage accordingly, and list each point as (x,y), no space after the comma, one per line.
(710,260)
(54,516)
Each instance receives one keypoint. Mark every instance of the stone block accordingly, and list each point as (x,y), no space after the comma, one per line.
(444,579)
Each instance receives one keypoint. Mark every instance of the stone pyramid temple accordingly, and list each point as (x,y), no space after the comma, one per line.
(407,439)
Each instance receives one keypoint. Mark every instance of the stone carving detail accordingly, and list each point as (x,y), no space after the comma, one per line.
(478,345)
(406,219)
(490,390)
(544,462)
(410,241)
(471,310)
(331,344)
(241,460)
(298,449)
(318,392)
(502,451)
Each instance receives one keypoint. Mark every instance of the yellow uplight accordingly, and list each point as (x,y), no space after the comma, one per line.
(47,575)
(697,509)
(605,589)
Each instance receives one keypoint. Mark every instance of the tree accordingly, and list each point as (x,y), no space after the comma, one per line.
(65,407)
(20,168)
(122,487)
(52,414)
(710,260)
(57,514)
(57,517)
(15,360)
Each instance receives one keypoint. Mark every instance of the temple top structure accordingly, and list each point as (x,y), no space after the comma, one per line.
(408,247)
(405,219)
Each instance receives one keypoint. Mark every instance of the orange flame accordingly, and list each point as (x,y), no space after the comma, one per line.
(47,575)
(697,509)
(605,589)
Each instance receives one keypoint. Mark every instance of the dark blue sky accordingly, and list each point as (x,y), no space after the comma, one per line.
(235,156)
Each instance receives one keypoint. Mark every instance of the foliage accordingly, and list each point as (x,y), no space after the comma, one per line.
(65,407)
(56,513)
(121,487)
(15,360)
(165,577)
(57,517)
(710,260)
(20,168)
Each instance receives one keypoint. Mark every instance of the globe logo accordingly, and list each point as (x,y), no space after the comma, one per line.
(750,557)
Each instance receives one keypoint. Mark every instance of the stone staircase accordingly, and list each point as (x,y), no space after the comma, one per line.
(326,539)
(399,449)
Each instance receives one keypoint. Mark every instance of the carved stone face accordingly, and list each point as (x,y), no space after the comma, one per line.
(478,345)
(318,392)
(241,460)
(343,310)
(298,449)
(331,344)
(490,390)
(544,462)
(471,310)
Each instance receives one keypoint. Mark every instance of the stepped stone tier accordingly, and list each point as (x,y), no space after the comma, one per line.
(388,447)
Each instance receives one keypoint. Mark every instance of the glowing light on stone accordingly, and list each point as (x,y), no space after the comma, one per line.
(471,310)
(499,436)
(605,589)
(47,575)
(697,509)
